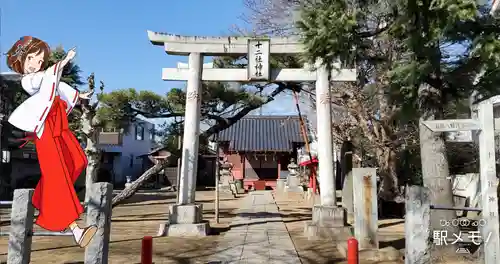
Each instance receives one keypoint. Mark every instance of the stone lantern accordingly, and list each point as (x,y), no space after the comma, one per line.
(293,179)
(293,168)
(226,175)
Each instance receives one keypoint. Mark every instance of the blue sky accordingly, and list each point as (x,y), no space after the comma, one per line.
(111,38)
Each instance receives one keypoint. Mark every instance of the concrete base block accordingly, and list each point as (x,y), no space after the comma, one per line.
(232,188)
(328,222)
(280,185)
(185,214)
(225,188)
(293,184)
(239,185)
(314,232)
(185,220)
(376,255)
(350,218)
(328,216)
(310,195)
(225,180)
(294,189)
(293,181)
(188,230)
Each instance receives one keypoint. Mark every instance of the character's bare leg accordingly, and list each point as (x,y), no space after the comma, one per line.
(82,236)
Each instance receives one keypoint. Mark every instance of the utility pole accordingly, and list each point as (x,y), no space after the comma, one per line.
(217,178)
(179,145)
(3,156)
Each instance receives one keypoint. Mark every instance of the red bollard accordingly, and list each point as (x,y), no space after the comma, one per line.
(147,250)
(352,251)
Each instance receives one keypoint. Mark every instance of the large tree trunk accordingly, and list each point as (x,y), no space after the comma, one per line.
(90,129)
(132,189)
(389,189)
(435,175)
(94,160)
(91,149)
(434,159)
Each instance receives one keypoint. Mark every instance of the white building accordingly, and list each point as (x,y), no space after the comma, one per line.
(122,150)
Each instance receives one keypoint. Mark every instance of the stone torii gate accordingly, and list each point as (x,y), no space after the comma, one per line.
(186,214)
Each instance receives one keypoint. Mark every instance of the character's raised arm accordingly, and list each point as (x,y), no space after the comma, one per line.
(69,56)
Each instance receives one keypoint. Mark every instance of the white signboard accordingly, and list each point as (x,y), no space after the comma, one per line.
(259,68)
(459,136)
(452,125)
(5,156)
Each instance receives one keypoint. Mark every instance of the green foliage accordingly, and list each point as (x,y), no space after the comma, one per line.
(219,100)
(443,44)
(414,59)
(329,30)
(222,104)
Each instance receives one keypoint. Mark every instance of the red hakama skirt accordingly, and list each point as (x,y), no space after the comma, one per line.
(62,160)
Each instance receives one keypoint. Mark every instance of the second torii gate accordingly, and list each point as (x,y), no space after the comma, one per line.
(258,51)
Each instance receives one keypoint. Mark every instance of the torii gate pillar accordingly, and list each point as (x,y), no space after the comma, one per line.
(189,163)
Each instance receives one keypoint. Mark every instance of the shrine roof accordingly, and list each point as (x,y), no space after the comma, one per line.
(263,133)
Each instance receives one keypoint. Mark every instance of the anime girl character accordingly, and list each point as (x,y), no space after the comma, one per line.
(44,116)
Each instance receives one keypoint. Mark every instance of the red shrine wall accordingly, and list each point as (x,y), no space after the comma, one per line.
(252,166)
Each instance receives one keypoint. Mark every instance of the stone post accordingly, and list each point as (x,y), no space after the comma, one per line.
(489,182)
(189,163)
(336,176)
(346,174)
(99,214)
(417,225)
(364,182)
(325,142)
(21,227)
(347,197)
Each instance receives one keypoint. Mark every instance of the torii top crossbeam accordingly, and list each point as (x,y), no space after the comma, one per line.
(217,46)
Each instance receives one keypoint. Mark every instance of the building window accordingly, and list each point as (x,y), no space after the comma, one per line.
(131,161)
(139,132)
(110,129)
(152,133)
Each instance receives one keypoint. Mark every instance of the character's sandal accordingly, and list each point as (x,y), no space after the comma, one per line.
(86,235)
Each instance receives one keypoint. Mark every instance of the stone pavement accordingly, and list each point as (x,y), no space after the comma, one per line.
(257,235)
